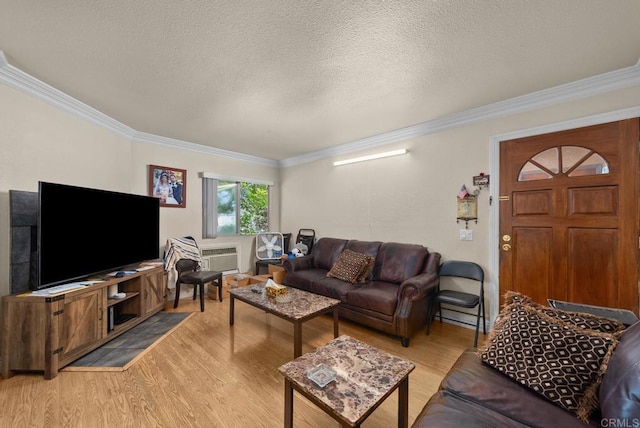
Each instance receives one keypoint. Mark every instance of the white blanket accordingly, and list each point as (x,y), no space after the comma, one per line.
(176,249)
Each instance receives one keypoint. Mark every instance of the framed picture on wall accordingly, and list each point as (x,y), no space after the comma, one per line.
(168,184)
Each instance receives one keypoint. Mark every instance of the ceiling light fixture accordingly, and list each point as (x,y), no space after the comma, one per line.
(371,157)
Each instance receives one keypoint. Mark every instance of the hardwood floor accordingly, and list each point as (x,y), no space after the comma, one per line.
(208,374)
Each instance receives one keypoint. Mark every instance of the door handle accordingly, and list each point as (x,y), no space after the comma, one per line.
(506,247)
(506,238)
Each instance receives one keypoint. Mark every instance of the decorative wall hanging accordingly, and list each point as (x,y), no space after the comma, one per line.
(481,180)
(467,207)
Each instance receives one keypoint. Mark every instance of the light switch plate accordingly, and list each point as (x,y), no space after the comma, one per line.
(466,235)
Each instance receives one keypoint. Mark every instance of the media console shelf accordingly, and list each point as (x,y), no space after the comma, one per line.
(45,333)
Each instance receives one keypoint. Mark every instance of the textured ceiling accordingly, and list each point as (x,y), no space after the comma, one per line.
(278,79)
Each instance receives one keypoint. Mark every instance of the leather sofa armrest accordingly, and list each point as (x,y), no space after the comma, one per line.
(297,263)
(419,287)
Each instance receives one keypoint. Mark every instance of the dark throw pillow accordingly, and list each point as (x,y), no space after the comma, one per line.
(349,266)
(557,359)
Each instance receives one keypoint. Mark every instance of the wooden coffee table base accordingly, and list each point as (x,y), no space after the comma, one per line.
(303,307)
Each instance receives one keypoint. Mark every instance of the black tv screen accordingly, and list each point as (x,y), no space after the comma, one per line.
(84,231)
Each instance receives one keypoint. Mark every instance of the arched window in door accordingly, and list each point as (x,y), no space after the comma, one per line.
(570,161)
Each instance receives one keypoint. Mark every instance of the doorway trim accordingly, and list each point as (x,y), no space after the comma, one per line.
(493,282)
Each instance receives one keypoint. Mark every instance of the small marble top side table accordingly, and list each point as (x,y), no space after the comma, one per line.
(365,377)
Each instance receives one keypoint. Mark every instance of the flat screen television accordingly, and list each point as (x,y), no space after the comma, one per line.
(83,232)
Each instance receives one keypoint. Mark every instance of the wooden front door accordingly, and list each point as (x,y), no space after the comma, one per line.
(569,215)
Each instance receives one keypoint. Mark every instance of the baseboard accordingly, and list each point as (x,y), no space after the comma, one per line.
(462,319)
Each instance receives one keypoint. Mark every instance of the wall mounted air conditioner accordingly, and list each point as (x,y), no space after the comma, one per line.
(224,258)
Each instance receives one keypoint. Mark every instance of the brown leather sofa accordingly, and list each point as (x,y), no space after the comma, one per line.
(473,394)
(394,301)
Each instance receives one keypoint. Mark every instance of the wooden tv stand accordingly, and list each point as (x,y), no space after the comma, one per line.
(45,333)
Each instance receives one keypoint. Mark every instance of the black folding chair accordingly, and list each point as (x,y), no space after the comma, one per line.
(460,269)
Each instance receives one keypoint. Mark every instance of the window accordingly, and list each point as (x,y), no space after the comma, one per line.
(253,215)
(572,161)
(233,206)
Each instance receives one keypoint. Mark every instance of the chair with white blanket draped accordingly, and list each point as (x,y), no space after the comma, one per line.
(182,259)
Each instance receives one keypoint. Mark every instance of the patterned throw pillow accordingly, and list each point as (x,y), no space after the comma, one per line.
(348,266)
(579,319)
(558,360)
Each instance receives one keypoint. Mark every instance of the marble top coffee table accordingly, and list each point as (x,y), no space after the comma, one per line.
(365,377)
(302,307)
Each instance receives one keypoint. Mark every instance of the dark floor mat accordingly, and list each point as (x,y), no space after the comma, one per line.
(121,352)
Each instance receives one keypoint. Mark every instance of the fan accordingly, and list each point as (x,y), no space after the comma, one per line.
(269,245)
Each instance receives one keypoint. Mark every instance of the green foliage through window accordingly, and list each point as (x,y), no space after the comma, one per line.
(253,215)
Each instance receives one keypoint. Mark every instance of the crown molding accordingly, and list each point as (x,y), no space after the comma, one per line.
(24,82)
(142,137)
(591,86)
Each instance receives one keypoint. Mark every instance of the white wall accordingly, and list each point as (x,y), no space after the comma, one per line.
(42,142)
(412,198)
